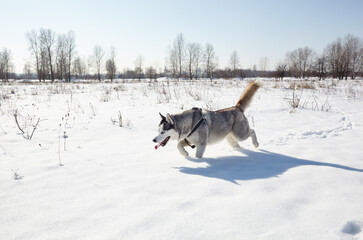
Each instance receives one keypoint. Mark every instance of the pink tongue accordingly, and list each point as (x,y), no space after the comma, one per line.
(157,146)
(161,143)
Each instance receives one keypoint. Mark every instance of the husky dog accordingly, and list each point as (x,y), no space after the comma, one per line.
(198,127)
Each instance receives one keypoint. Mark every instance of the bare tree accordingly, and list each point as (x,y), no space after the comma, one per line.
(193,56)
(254,70)
(321,66)
(281,69)
(110,69)
(263,65)
(47,38)
(300,61)
(151,73)
(80,67)
(70,46)
(264,61)
(357,60)
(27,71)
(210,60)
(308,60)
(111,64)
(179,48)
(352,52)
(44,63)
(360,63)
(34,47)
(6,65)
(89,63)
(98,54)
(128,73)
(234,62)
(198,55)
(336,58)
(139,63)
(293,62)
(172,62)
(190,59)
(61,57)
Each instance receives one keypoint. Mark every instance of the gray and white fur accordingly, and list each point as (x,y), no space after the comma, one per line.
(229,123)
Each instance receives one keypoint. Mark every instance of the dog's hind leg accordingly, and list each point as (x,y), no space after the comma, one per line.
(232,141)
(181,148)
(254,138)
(244,132)
(200,150)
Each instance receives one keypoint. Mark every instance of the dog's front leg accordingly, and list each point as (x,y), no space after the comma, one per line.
(200,150)
(181,148)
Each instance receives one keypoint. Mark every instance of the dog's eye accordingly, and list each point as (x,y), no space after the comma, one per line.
(167,126)
(162,132)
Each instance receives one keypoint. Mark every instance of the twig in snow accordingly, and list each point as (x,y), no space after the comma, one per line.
(59,142)
(119,119)
(22,130)
(16,175)
(17,122)
(35,127)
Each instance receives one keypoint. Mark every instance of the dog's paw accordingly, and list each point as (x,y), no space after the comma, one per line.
(236,145)
(256,144)
(189,158)
(184,153)
(198,155)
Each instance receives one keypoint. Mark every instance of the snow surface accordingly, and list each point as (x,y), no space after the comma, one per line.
(82,176)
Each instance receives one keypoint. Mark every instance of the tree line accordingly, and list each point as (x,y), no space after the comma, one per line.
(54,57)
(340,59)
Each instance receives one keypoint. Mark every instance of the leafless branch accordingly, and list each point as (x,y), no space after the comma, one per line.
(34,128)
(17,122)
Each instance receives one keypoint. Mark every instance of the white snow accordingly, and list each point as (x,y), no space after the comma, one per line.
(304,182)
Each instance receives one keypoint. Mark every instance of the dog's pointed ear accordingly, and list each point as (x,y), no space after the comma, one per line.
(162,117)
(169,119)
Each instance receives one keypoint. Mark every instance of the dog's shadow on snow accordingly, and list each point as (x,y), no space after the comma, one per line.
(254,165)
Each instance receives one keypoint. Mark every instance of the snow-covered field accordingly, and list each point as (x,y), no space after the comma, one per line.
(82,176)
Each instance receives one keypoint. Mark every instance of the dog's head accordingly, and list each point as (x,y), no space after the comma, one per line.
(166,130)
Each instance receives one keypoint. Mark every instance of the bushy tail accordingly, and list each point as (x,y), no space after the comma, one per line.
(247,95)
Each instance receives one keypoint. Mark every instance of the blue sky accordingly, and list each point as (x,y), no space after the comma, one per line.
(253,28)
